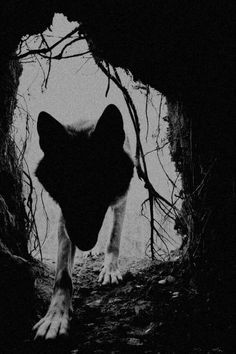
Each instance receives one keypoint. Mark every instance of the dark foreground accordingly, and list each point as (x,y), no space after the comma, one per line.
(156,309)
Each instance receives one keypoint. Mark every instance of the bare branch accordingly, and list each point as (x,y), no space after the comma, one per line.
(47,49)
(146,111)
(59,56)
(50,63)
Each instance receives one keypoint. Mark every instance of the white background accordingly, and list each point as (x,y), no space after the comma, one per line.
(76,90)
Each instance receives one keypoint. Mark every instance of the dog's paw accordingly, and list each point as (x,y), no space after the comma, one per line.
(54,324)
(110,274)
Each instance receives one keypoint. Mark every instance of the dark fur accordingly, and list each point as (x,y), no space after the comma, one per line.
(84,170)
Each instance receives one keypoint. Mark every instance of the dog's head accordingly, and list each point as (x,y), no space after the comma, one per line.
(84,170)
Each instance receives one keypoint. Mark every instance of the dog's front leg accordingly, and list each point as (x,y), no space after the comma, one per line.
(110,272)
(57,319)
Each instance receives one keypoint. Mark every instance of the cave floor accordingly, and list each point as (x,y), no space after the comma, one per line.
(152,310)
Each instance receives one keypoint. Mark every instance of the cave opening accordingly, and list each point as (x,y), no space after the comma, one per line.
(72,87)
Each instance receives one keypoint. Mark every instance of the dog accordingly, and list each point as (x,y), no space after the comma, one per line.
(86,170)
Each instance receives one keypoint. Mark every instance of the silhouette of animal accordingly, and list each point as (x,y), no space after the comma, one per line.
(86,170)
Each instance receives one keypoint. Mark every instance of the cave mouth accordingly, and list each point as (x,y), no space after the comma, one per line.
(72,88)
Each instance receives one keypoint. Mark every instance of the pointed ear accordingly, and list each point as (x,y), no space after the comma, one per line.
(52,134)
(109,129)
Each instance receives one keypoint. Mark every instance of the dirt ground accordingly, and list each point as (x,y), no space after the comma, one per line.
(153,310)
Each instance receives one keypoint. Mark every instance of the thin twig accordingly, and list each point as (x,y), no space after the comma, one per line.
(146,111)
(47,49)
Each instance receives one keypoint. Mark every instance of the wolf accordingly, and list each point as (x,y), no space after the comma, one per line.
(86,170)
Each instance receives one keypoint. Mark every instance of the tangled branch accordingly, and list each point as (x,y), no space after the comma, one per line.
(30,195)
(48,49)
(140,162)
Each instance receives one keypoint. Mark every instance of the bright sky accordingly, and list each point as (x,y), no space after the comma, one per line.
(76,90)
